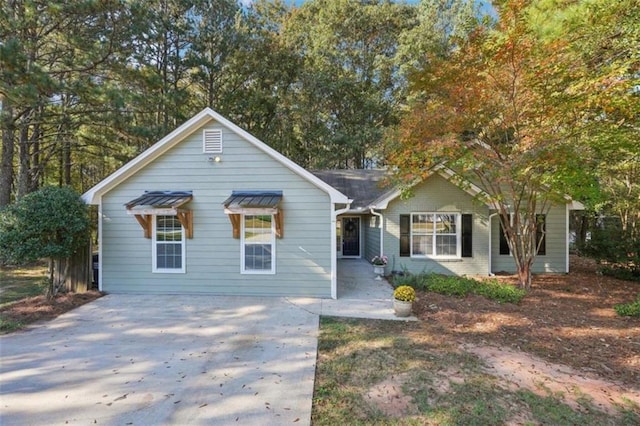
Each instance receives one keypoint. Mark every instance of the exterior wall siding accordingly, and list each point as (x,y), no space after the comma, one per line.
(303,256)
(437,194)
(372,225)
(554,261)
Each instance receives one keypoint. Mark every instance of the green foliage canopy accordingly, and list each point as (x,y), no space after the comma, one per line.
(52,222)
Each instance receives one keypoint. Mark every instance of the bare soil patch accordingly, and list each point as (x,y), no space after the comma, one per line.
(565,319)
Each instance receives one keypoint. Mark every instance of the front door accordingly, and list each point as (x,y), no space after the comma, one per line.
(351,237)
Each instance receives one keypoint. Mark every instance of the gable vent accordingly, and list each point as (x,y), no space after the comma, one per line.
(212,141)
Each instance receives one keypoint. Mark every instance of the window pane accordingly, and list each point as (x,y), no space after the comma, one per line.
(257,229)
(422,245)
(169,256)
(168,228)
(257,257)
(446,245)
(445,224)
(422,224)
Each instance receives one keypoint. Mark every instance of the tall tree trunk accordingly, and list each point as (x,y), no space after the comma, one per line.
(6,163)
(24,165)
(524,276)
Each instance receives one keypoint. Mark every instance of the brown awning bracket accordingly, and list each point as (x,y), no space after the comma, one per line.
(279,218)
(145,221)
(235,224)
(186,219)
(254,203)
(162,203)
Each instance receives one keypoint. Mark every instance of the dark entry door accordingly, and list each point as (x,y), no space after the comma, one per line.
(351,236)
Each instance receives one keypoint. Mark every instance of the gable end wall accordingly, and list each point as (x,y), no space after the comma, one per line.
(303,256)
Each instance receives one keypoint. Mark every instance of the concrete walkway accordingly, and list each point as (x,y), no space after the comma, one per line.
(177,360)
(360,295)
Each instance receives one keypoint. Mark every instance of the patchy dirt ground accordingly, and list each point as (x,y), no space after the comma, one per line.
(38,308)
(565,319)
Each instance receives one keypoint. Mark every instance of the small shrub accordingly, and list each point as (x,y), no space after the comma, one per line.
(501,293)
(629,309)
(404,279)
(450,285)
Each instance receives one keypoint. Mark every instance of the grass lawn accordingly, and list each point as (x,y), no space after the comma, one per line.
(17,284)
(400,373)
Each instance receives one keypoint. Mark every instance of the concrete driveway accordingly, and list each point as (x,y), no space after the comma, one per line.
(147,360)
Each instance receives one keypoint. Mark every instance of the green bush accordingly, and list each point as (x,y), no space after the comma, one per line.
(622,272)
(461,286)
(450,286)
(500,292)
(629,309)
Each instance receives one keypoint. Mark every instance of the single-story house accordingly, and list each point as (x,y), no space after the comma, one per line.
(211,209)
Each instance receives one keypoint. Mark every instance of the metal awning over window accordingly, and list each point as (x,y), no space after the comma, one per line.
(254,203)
(161,199)
(243,201)
(167,203)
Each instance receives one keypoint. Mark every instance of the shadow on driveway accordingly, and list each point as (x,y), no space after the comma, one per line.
(136,359)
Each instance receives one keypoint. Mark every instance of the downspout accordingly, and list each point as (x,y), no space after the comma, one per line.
(334,251)
(490,273)
(381,230)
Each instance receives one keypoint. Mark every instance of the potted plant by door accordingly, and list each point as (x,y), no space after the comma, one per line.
(379,262)
(403,298)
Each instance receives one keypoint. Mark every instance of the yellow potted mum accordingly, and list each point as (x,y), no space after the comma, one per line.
(403,298)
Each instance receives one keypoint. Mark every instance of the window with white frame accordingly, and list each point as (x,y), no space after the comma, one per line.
(168,245)
(258,244)
(436,235)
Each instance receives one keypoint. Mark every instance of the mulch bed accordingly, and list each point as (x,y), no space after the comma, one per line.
(565,319)
(38,308)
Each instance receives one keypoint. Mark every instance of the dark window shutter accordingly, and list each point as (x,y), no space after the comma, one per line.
(467,235)
(405,235)
(541,227)
(504,245)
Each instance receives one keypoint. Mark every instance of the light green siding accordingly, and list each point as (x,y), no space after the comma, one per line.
(437,194)
(372,225)
(556,245)
(303,256)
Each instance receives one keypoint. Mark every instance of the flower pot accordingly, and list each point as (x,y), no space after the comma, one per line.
(379,271)
(402,308)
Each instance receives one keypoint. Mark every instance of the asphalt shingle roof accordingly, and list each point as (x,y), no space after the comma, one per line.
(363,186)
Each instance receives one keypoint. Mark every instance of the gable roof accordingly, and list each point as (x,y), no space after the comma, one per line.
(363,186)
(93,195)
(368,188)
(473,190)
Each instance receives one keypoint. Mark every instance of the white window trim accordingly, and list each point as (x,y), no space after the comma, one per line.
(154,251)
(458,254)
(243,269)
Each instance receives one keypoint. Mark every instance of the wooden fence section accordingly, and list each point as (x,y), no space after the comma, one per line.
(79,270)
